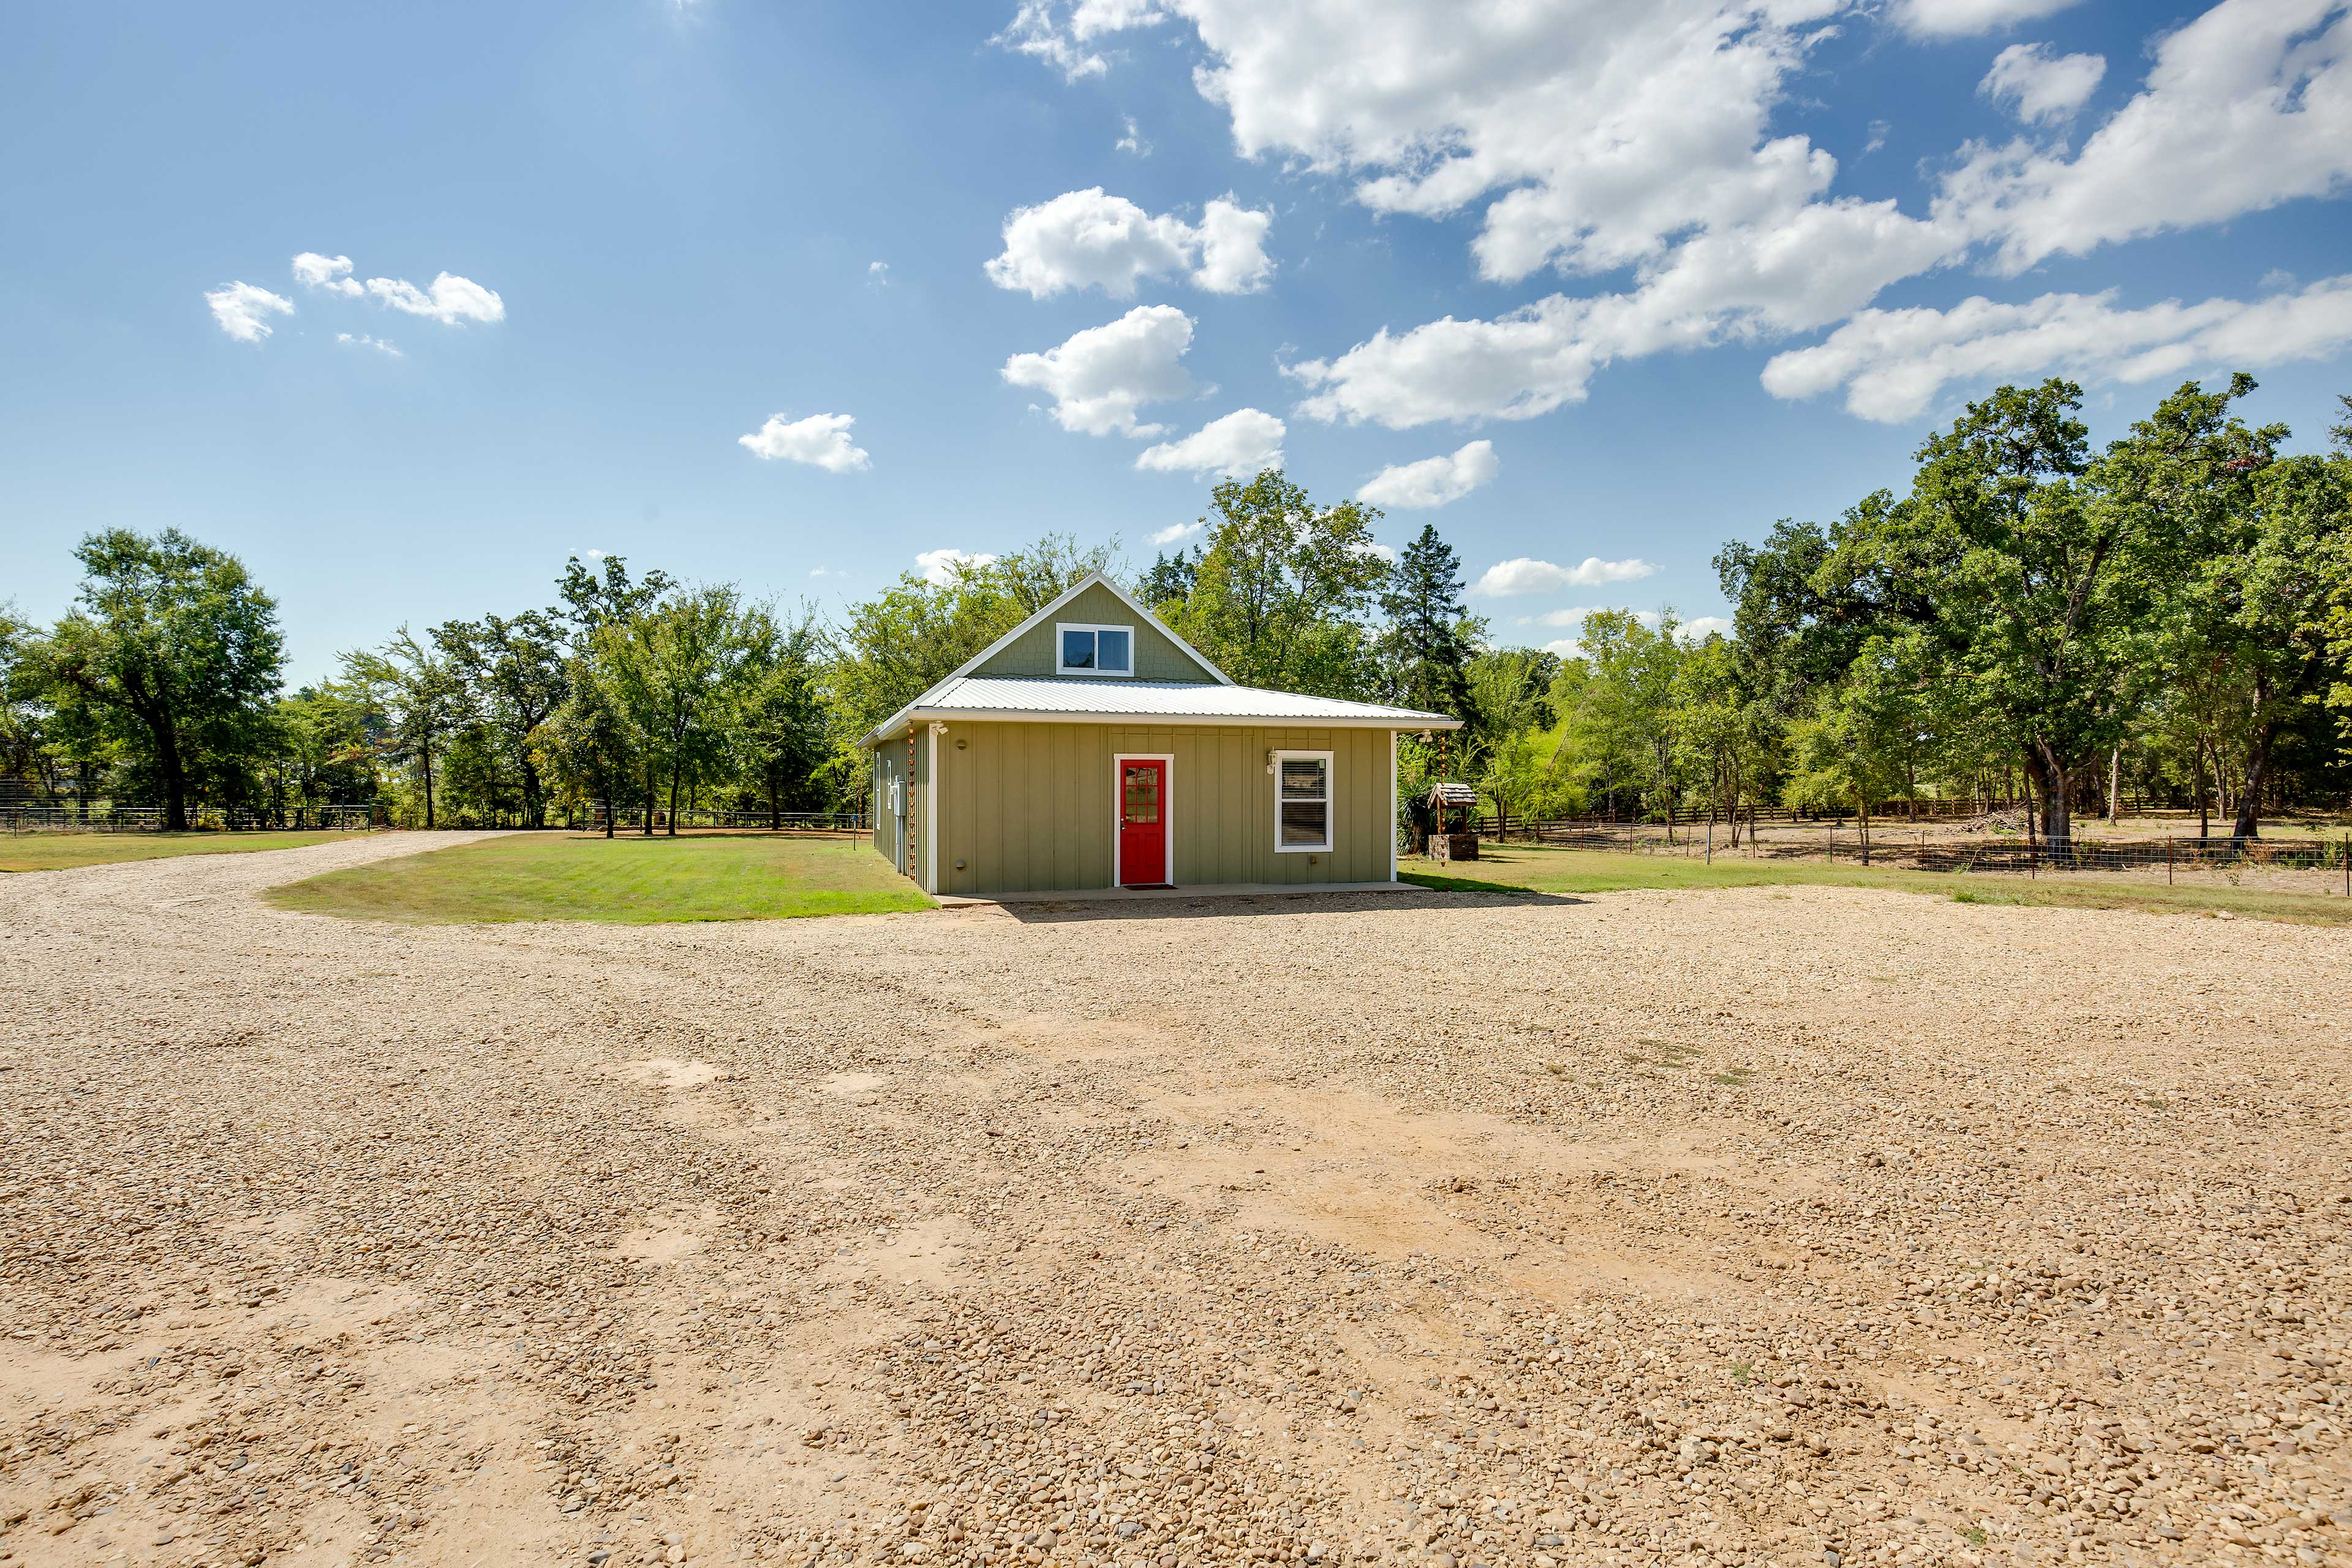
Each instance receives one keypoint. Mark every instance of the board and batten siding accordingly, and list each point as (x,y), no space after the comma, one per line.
(890,832)
(1031,807)
(1157,656)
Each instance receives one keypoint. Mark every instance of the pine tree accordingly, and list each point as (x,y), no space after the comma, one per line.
(1427,647)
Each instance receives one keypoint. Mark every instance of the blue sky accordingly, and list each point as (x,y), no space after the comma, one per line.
(1685,266)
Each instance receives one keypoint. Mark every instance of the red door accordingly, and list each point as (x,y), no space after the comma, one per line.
(1142,822)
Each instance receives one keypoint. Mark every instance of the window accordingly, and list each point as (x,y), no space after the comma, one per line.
(1302,802)
(1094,650)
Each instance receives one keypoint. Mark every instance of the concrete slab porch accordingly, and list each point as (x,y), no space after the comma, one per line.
(1207,890)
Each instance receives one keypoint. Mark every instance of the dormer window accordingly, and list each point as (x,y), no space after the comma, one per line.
(1093,650)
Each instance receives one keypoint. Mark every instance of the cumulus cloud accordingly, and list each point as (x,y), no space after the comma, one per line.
(243,310)
(1893,364)
(364,340)
(2039,86)
(331,273)
(1967,18)
(1088,238)
(1237,445)
(821,440)
(1132,141)
(1177,532)
(938,566)
(1527,576)
(1698,629)
(1061,34)
(1433,482)
(451,301)
(2245,108)
(1100,378)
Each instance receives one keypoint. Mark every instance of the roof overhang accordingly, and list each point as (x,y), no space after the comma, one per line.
(907,718)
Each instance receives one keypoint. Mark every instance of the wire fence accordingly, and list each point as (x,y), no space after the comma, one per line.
(633,819)
(1895,847)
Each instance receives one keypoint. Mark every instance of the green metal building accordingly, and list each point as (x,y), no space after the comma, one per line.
(1091,747)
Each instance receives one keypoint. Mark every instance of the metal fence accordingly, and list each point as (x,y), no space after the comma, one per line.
(112,819)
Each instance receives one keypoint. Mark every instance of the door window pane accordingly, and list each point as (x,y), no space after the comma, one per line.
(1142,795)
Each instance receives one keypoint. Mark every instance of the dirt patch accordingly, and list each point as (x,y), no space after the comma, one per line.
(1730,1227)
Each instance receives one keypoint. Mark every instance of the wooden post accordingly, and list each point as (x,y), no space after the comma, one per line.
(2168,862)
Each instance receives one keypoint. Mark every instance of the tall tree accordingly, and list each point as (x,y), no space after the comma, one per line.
(677,670)
(783,728)
(173,651)
(908,638)
(517,669)
(1171,579)
(607,594)
(1035,576)
(2036,589)
(423,697)
(1426,648)
(1281,593)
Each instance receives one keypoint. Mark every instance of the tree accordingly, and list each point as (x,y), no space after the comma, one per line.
(1034,577)
(1426,649)
(1722,730)
(422,699)
(172,652)
(677,671)
(1858,743)
(1279,596)
(1171,579)
(1617,702)
(2035,589)
(517,670)
(783,725)
(324,735)
(589,747)
(593,599)
(909,638)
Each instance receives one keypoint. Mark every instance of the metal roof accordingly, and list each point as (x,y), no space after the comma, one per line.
(1006,697)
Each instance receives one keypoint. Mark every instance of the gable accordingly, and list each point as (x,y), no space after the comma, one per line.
(1031,652)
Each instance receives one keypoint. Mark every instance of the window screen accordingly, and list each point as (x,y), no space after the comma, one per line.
(1303,801)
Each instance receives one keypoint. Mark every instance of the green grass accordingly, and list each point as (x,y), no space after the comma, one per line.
(625,881)
(1527,868)
(61,851)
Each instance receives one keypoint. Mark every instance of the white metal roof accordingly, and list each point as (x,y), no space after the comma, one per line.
(1005,696)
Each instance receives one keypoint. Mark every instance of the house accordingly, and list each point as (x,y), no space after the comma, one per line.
(1091,747)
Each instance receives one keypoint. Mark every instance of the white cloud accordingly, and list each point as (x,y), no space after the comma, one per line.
(242,310)
(365,341)
(331,273)
(1433,482)
(594,554)
(1088,239)
(1236,446)
(452,300)
(1232,249)
(1376,550)
(1700,627)
(1175,533)
(1967,18)
(821,440)
(821,572)
(879,274)
(1524,575)
(2040,86)
(940,565)
(1100,377)
(2245,108)
(1041,30)
(1893,364)
(1133,141)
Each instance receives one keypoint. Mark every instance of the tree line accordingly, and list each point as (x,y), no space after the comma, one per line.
(2169,616)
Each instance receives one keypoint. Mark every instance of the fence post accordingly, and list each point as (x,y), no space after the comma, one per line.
(2168,862)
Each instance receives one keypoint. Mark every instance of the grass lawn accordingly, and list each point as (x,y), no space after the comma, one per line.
(57,851)
(1526,868)
(627,880)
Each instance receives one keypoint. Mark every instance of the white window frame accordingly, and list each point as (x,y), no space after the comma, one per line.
(1167,760)
(1331,805)
(1061,668)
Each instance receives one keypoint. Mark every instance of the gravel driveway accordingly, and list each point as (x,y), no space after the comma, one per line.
(1805,1226)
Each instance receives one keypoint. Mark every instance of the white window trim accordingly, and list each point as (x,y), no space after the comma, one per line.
(1061,668)
(1167,760)
(1330,805)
